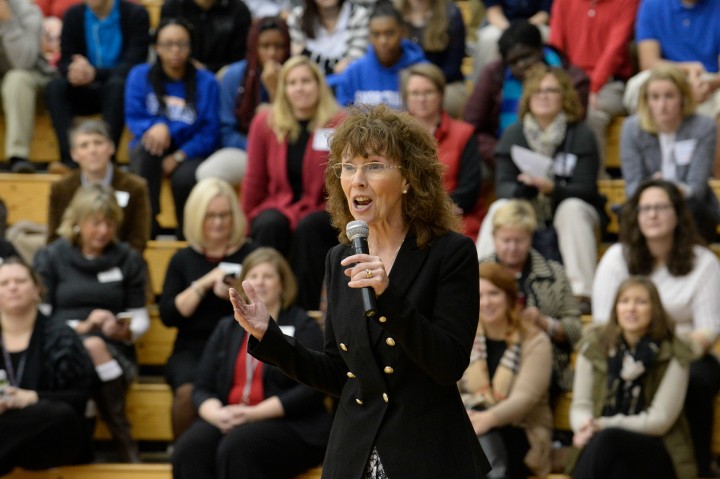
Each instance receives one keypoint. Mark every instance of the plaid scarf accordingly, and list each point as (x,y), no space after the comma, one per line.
(477,388)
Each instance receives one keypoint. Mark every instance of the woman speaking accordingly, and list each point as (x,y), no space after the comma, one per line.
(399,412)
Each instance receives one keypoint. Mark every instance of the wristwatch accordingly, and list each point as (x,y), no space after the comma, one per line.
(179,156)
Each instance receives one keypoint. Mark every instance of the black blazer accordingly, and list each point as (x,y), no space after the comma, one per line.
(396,374)
(304,408)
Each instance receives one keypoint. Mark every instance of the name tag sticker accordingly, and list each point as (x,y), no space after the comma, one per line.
(684,150)
(122,197)
(321,139)
(564,164)
(288,330)
(110,276)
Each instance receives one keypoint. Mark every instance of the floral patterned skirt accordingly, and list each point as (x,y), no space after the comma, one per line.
(374,468)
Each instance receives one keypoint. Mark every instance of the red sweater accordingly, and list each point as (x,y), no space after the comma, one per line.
(453,136)
(599,43)
(266,184)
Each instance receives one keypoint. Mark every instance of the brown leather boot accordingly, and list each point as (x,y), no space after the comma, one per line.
(110,400)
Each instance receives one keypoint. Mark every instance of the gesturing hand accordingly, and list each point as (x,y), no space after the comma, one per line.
(252,316)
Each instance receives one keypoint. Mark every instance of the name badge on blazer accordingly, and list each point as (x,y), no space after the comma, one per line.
(122,197)
(564,164)
(110,276)
(683,151)
(288,330)
(321,140)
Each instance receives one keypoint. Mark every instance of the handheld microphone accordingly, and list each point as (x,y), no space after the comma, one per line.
(357,232)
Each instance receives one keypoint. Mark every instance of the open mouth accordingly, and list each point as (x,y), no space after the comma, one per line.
(361,202)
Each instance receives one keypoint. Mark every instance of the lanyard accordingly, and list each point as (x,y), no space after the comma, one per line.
(14,380)
(251,365)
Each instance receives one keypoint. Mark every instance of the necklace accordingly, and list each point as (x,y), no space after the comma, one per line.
(391,263)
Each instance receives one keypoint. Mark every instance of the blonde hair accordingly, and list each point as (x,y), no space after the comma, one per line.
(94,199)
(435,34)
(674,75)
(274,258)
(515,213)
(427,210)
(571,105)
(196,207)
(281,118)
(426,70)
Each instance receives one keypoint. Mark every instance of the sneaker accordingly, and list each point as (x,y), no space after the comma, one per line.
(21,165)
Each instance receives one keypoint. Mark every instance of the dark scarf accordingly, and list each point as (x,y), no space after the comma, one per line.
(626,376)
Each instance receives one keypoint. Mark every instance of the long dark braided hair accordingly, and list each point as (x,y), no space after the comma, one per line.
(158,77)
(248,96)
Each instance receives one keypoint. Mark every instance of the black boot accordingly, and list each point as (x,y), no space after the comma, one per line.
(110,400)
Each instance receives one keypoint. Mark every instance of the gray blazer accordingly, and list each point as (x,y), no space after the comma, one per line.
(640,155)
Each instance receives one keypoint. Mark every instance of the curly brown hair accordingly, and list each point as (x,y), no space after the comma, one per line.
(571,104)
(378,130)
(681,259)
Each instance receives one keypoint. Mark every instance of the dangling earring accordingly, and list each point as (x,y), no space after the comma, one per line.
(405,192)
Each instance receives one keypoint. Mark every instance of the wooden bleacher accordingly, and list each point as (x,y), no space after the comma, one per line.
(117,471)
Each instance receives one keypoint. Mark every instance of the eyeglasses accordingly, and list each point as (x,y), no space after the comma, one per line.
(374,169)
(548,91)
(421,95)
(171,45)
(223,216)
(659,208)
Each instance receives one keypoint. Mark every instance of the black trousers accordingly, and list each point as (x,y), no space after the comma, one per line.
(306,248)
(620,454)
(182,181)
(703,386)
(65,102)
(267,449)
(46,434)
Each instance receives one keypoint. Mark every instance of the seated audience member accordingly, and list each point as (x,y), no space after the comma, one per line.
(92,149)
(219,27)
(172,111)
(96,285)
(246,87)
(596,37)
(667,139)
(195,292)
(658,239)
(283,193)
(42,411)
(422,87)
(438,27)
(24,72)
(493,104)
(250,411)
(332,34)
(375,78)
(684,33)
(499,15)
(567,198)
(100,43)
(505,387)
(631,377)
(545,295)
